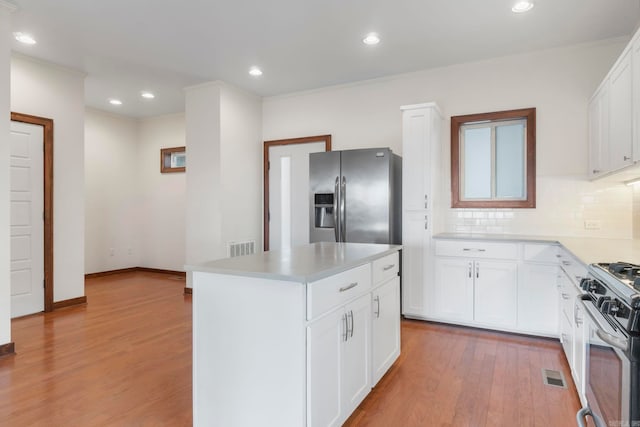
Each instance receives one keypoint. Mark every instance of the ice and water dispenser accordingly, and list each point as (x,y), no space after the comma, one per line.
(324,210)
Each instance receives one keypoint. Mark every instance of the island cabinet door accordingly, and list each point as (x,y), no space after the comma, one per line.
(325,338)
(386,327)
(339,367)
(356,355)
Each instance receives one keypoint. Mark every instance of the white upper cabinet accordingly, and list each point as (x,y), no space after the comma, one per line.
(614,116)
(620,114)
(420,153)
(635,82)
(599,132)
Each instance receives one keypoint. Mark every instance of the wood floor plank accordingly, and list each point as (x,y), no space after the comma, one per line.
(455,376)
(124,359)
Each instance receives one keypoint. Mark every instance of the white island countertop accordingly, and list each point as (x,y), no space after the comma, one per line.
(588,249)
(302,264)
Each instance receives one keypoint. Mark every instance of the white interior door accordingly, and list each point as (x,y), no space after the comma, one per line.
(289,194)
(27,222)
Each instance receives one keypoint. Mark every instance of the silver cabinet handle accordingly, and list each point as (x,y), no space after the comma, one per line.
(477,271)
(349,286)
(626,158)
(388,267)
(426,222)
(565,296)
(596,171)
(576,319)
(470,266)
(377,312)
(346,327)
(566,263)
(351,315)
(473,250)
(426,201)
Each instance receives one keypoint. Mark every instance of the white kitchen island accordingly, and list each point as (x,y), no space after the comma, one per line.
(293,338)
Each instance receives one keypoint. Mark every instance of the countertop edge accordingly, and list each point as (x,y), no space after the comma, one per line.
(298,278)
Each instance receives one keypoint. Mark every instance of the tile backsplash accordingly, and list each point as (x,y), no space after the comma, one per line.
(565,206)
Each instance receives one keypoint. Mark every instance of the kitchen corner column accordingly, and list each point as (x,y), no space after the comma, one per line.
(5,64)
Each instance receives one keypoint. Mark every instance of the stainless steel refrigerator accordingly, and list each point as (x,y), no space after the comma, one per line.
(355,196)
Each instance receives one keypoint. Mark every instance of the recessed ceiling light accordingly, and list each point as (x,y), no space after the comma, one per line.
(522,6)
(147,95)
(24,38)
(115,102)
(255,71)
(371,38)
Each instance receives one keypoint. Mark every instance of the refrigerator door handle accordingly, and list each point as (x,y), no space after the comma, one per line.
(343,216)
(336,216)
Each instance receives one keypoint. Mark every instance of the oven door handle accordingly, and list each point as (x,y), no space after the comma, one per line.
(581,417)
(612,340)
(616,342)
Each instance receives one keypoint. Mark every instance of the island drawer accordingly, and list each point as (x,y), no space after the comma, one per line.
(477,249)
(330,292)
(385,268)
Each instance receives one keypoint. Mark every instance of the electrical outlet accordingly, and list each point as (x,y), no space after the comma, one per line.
(592,224)
(112,252)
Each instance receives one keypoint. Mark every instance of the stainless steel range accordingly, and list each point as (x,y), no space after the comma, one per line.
(612,301)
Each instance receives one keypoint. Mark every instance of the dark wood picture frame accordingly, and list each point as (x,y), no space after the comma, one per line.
(268,144)
(529,114)
(165,159)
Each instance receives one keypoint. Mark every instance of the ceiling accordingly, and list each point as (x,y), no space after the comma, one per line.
(126,47)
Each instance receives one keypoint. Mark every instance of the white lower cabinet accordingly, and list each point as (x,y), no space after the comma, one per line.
(417,262)
(495,293)
(579,349)
(339,369)
(453,290)
(480,291)
(538,305)
(385,335)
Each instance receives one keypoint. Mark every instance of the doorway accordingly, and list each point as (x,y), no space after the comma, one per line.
(286,189)
(31,213)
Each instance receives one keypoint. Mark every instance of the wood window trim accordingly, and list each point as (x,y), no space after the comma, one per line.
(47,125)
(265,168)
(456,121)
(166,152)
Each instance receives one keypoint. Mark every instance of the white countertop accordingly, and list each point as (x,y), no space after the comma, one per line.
(588,249)
(302,264)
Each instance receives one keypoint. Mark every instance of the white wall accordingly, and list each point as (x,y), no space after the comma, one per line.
(5,62)
(161,195)
(203,216)
(223,128)
(557,82)
(112,237)
(45,90)
(241,166)
(134,213)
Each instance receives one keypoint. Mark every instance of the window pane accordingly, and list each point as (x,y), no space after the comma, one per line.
(510,161)
(477,163)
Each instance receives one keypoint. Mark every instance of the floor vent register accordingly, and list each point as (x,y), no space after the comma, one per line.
(553,378)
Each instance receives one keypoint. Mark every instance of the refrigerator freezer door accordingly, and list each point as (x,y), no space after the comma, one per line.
(324,168)
(367,178)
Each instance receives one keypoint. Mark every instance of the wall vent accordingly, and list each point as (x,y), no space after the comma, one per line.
(246,247)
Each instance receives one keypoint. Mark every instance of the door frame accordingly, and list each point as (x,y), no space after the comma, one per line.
(47,125)
(268,144)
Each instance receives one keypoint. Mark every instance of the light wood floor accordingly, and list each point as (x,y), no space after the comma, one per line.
(125,360)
